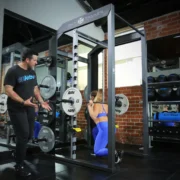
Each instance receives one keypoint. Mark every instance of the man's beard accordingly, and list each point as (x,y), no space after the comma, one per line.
(29,67)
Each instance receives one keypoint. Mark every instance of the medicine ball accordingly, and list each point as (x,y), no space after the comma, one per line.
(161,78)
(151,79)
(173,77)
(164,94)
(152,94)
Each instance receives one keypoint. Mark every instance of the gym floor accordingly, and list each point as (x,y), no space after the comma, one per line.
(159,166)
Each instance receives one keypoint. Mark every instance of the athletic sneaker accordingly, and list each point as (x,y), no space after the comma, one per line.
(20,171)
(118,156)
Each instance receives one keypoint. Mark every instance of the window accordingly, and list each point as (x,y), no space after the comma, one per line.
(82,74)
(128,65)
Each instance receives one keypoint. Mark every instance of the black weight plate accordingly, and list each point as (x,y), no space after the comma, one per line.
(46,119)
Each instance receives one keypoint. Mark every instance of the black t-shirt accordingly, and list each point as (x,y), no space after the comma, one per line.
(23,82)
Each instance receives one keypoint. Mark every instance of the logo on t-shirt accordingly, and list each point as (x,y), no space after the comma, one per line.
(26,78)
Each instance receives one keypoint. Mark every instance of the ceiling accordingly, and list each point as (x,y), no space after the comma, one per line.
(134,11)
(33,34)
(30,33)
(20,29)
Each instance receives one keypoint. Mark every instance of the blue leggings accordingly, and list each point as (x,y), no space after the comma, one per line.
(95,132)
(101,139)
(37,127)
(100,135)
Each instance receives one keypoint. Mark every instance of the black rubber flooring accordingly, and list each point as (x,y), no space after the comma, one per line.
(160,165)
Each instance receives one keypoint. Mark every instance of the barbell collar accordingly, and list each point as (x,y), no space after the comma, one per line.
(40,140)
(43,86)
(118,103)
(63,101)
(67,101)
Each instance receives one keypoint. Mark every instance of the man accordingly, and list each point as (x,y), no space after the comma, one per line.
(20,86)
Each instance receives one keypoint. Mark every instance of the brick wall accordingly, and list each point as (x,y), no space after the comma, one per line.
(165,25)
(130,124)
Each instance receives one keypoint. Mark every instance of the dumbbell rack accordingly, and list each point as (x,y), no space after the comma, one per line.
(162,134)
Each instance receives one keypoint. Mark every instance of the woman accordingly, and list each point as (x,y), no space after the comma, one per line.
(98,113)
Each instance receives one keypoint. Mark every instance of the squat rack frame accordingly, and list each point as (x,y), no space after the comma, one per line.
(108,11)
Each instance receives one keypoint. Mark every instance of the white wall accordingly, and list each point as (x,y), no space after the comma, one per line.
(128,69)
(52,13)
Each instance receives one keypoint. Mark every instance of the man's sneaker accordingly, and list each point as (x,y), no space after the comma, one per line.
(20,171)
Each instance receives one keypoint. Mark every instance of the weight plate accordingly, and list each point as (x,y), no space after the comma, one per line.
(46,117)
(74,95)
(3,103)
(121,104)
(47,133)
(86,96)
(47,93)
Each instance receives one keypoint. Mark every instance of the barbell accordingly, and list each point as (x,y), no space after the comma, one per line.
(46,138)
(71,104)
(71,99)
(47,87)
(121,104)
